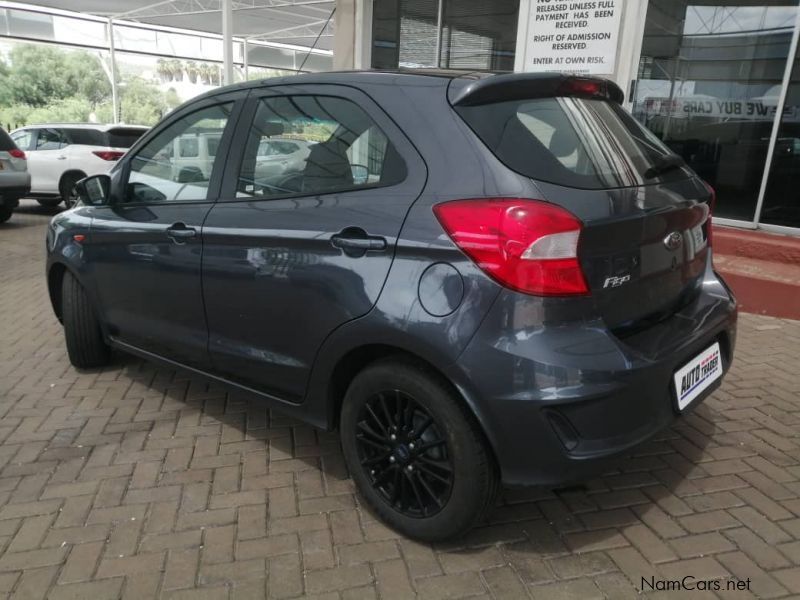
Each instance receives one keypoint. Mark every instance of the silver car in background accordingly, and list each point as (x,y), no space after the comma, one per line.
(15,181)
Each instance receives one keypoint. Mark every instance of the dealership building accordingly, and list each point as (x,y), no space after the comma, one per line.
(717,80)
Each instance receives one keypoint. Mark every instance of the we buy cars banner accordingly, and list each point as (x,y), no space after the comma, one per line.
(755,109)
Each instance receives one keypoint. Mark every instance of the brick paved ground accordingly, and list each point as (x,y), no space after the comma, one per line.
(138,481)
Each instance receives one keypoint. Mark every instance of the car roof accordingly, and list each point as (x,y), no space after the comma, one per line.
(96,126)
(473,86)
(352,77)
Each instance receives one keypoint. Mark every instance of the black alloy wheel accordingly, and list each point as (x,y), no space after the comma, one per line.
(416,452)
(404,454)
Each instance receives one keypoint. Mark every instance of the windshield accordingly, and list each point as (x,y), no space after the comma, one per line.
(577,142)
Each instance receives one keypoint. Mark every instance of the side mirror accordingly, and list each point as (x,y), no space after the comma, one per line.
(94,190)
(360,174)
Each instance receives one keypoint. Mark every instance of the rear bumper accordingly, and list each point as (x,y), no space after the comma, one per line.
(557,400)
(14,186)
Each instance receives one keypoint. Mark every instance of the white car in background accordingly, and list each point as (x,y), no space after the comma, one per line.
(60,155)
(283,155)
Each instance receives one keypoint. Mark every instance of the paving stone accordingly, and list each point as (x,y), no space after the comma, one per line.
(138,481)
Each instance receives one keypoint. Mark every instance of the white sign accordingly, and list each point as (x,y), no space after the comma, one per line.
(573,37)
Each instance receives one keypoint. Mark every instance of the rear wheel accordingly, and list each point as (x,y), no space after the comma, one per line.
(49,202)
(67,188)
(5,213)
(85,345)
(417,456)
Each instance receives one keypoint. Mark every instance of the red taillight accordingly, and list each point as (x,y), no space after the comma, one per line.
(17,153)
(527,245)
(108,154)
(582,87)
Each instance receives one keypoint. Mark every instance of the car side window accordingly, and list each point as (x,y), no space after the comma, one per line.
(310,144)
(23,139)
(50,139)
(176,165)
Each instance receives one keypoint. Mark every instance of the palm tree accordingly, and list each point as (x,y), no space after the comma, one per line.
(176,67)
(164,70)
(192,71)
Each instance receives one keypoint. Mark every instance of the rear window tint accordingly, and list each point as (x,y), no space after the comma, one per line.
(123,138)
(6,143)
(576,142)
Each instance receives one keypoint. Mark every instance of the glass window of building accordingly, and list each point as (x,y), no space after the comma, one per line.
(709,81)
(456,34)
(782,202)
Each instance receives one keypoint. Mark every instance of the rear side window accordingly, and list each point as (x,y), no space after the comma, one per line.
(6,143)
(50,139)
(575,142)
(85,137)
(315,145)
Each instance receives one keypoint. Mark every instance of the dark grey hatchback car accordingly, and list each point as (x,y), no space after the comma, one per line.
(476,278)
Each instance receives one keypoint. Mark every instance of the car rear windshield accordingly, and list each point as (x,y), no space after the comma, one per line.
(121,137)
(575,142)
(6,143)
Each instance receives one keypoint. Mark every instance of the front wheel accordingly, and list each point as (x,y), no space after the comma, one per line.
(86,347)
(417,455)
(67,189)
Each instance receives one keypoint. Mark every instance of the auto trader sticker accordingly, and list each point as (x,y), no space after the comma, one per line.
(697,375)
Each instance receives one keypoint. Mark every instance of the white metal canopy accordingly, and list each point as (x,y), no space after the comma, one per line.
(303,23)
(297,22)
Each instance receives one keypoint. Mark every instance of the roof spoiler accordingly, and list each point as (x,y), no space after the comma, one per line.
(529,86)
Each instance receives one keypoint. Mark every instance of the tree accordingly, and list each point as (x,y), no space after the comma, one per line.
(163,70)
(36,76)
(4,94)
(192,71)
(142,103)
(87,78)
(176,68)
(206,72)
(41,75)
(40,84)
(67,110)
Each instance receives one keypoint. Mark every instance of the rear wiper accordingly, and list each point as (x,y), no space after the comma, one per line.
(663,164)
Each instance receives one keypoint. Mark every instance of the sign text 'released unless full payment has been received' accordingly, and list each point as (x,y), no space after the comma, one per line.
(576,37)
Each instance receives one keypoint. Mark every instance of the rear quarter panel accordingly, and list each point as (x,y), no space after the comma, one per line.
(458,168)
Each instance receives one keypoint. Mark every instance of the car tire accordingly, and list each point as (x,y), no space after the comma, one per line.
(436,478)
(67,188)
(49,202)
(86,347)
(5,213)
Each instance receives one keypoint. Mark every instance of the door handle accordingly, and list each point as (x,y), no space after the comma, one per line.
(61,158)
(372,243)
(356,242)
(180,232)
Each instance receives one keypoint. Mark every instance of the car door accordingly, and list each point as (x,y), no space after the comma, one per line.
(288,257)
(47,160)
(146,246)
